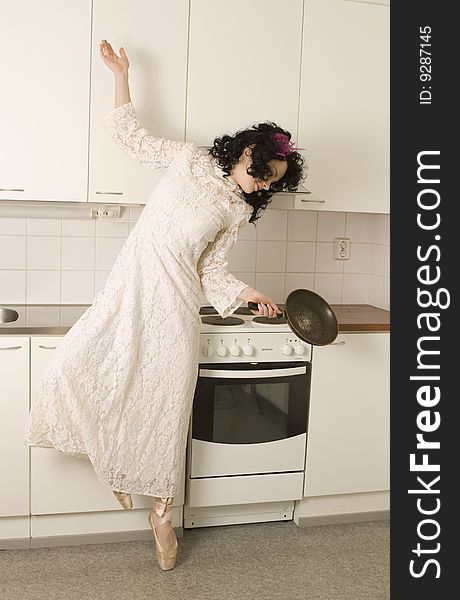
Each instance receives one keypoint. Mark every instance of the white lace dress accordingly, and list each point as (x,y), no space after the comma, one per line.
(119,388)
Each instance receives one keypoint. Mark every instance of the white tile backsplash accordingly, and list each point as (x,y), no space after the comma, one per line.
(13,226)
(325,262)
(13,286)
(302,225)
(78,227)
(272,285)
(107,250)
(112,228)
(77,287)
(13,251)
(43,287)
(379,229)
(378,260)
(329,285)
(300,257)
(100,277)
(43,252)
(330,226)
(248,232)
(242,257)
(273,225)
(360,259)
(78,253)
(359,227)
(295,281)
(355,289)
(44,227)
(67,261)
(271,257)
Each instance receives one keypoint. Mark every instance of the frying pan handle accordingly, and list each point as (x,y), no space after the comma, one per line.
(254,306)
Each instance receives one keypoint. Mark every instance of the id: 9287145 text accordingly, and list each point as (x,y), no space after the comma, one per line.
(425,64)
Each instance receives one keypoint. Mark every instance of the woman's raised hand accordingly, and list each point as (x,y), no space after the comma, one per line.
(117,64)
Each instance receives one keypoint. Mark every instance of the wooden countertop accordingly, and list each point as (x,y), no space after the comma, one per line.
(56,319)
(361,317)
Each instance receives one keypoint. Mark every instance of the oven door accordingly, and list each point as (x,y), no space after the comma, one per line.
(249,418)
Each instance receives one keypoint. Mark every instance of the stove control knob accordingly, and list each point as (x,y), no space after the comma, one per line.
(299,349)
(235,350)
(208,350)
(222,350)
(248,350)
(286,349)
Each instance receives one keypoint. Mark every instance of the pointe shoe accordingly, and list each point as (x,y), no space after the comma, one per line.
(159,518)
(124,499)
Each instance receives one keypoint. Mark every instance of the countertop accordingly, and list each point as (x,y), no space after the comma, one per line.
(57,319)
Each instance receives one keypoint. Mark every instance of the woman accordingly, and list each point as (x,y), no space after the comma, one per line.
(120,387)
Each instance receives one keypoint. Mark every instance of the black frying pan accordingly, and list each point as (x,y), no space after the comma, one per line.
(309,316)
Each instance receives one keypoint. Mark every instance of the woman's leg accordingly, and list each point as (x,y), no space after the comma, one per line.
(163,532)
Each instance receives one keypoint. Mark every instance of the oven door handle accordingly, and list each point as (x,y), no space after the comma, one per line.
(252,374)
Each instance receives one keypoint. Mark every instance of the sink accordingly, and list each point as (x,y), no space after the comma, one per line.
(7,315)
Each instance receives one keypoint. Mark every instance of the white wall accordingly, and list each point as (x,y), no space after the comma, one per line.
(66,260)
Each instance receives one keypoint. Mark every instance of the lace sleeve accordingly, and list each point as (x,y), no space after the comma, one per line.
(123,126)
(219,286)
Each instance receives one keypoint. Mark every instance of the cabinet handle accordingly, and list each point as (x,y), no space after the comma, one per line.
(47,347)
(11,190)
(337,343)
(10,347)
(111,193)
(313,201)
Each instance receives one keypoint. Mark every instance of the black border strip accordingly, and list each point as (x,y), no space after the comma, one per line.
(423,282)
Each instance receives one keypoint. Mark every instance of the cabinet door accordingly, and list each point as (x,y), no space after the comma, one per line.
(45,100)
(345,106)
(154,36)
(14,408)
(61,483)
(244,66)
(349,424)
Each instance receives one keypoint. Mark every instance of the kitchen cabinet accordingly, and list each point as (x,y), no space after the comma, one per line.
(349,421)
(14,408)
(244,66)
(154,35)
(45,101)
(344,106)
(61,483)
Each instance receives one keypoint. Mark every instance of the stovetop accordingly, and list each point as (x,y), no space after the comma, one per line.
(242,319)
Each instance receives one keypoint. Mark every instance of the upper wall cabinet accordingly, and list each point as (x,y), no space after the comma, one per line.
(244,66)
(345,101)
(45,99)
(154,36)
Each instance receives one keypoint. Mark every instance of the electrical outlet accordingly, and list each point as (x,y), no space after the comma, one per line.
(342,247)
(105,212)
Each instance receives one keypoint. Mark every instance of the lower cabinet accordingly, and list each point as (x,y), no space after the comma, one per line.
(14,408)
(348,444)
(61,483)
(65,496)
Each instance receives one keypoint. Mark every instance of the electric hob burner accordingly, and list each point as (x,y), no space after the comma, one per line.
(270,320)
(217,320)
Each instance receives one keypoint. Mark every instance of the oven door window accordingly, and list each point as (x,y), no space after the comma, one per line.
(252,408)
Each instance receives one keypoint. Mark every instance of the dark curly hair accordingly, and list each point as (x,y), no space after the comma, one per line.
(228,150)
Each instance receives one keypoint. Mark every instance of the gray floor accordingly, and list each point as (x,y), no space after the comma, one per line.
(270,561)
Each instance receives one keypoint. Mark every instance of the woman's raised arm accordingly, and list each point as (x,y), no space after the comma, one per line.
(119,66)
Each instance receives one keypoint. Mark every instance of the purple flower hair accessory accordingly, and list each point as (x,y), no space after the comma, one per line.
(284,147)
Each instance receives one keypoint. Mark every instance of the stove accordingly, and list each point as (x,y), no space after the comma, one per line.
(244,337)
(247,437)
